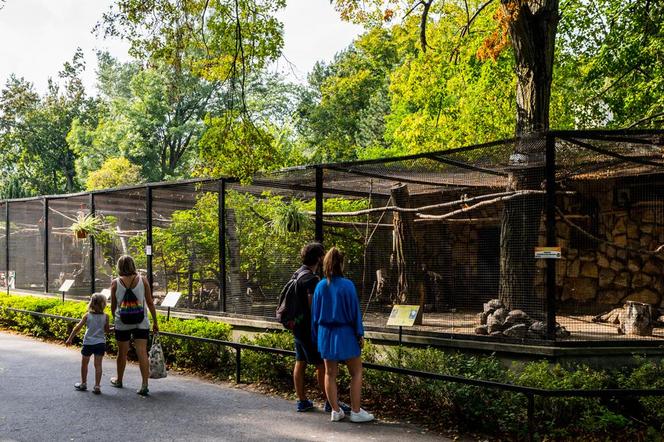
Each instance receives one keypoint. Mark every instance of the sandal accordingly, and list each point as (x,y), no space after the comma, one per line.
(143,391)
(97,389)
(115,383)
(80,386)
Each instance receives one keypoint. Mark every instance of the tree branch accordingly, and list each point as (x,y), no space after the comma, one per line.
(465,209)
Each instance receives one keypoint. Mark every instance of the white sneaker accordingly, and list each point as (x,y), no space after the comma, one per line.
(361,416)
(337,415)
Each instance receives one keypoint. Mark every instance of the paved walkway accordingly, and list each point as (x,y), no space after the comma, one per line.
(38,403)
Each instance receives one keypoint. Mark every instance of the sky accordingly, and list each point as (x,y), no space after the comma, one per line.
(38,36)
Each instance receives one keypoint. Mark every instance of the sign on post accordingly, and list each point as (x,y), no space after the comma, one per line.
(403,315)
(64,288)
(169,301)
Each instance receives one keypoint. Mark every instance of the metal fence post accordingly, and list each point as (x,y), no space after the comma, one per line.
(148,228)
(319,204)
(222,242)
(46,229)
(7,244)
(93,271)
(551,236)
(238,364)
(531,417)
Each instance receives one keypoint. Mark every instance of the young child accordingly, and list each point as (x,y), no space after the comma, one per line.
(94,341)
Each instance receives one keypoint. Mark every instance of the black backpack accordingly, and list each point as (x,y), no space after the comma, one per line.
(131,312)
(288,310)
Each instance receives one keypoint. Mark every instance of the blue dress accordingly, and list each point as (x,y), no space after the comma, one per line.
(336,320)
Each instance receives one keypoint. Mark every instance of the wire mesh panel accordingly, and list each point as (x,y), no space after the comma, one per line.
(26,246)
(124,219)
(267,223)
(610,282)
(68,252)
(445,231)
(185,239)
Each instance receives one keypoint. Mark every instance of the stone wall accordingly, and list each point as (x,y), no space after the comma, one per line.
(591,277)
(596,276)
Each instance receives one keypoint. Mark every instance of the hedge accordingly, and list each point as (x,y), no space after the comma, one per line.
(443,404)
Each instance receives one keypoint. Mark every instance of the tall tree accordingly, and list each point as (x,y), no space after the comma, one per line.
(222,41)
(153,117)
(34,129)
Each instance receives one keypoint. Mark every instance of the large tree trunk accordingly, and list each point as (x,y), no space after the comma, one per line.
(410,284)
(532,30)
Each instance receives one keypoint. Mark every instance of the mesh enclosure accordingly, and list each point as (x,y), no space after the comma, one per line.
(68,256)
(26,245)
(124,217)
(610,227)
(463,233)
(185,239)
(444,252)
(267,223)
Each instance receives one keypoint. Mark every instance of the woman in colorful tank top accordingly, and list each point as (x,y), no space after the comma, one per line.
(130,296)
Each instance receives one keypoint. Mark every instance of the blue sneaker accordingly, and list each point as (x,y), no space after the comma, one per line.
(304,405)
(344,406)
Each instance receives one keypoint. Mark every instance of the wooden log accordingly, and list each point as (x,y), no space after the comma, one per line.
(410,286)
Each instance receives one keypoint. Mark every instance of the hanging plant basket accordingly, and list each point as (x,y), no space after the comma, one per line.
(85,225)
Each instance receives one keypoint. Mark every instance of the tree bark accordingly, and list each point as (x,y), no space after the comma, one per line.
(532,29)
(410,286)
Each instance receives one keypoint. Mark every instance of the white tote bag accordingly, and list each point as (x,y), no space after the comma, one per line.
(157,360)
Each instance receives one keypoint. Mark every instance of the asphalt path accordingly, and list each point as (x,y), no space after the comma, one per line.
(38,403)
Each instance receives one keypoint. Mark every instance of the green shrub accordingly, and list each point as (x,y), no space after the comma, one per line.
(59,328)
(185,353)
(566,416)
(23,322)
(268,368)
(649,374)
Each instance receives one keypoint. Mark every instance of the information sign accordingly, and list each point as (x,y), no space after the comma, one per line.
(547,252)
(403,315)
(171,299)
(66,285)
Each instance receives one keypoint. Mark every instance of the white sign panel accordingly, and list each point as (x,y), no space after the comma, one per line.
(106,293)
(148,250)
(66,285)
(171,299)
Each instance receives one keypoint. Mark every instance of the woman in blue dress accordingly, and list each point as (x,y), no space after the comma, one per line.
(336,325)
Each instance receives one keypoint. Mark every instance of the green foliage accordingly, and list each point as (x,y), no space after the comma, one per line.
(290,218)
(183,354)
(87,224)
(566,416)
(649,374)
(36,158)
(22,322)
(267,368)
(200,356)
(115,172)
(152,116)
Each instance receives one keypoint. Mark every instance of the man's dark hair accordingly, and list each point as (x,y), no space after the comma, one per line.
(312,253)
